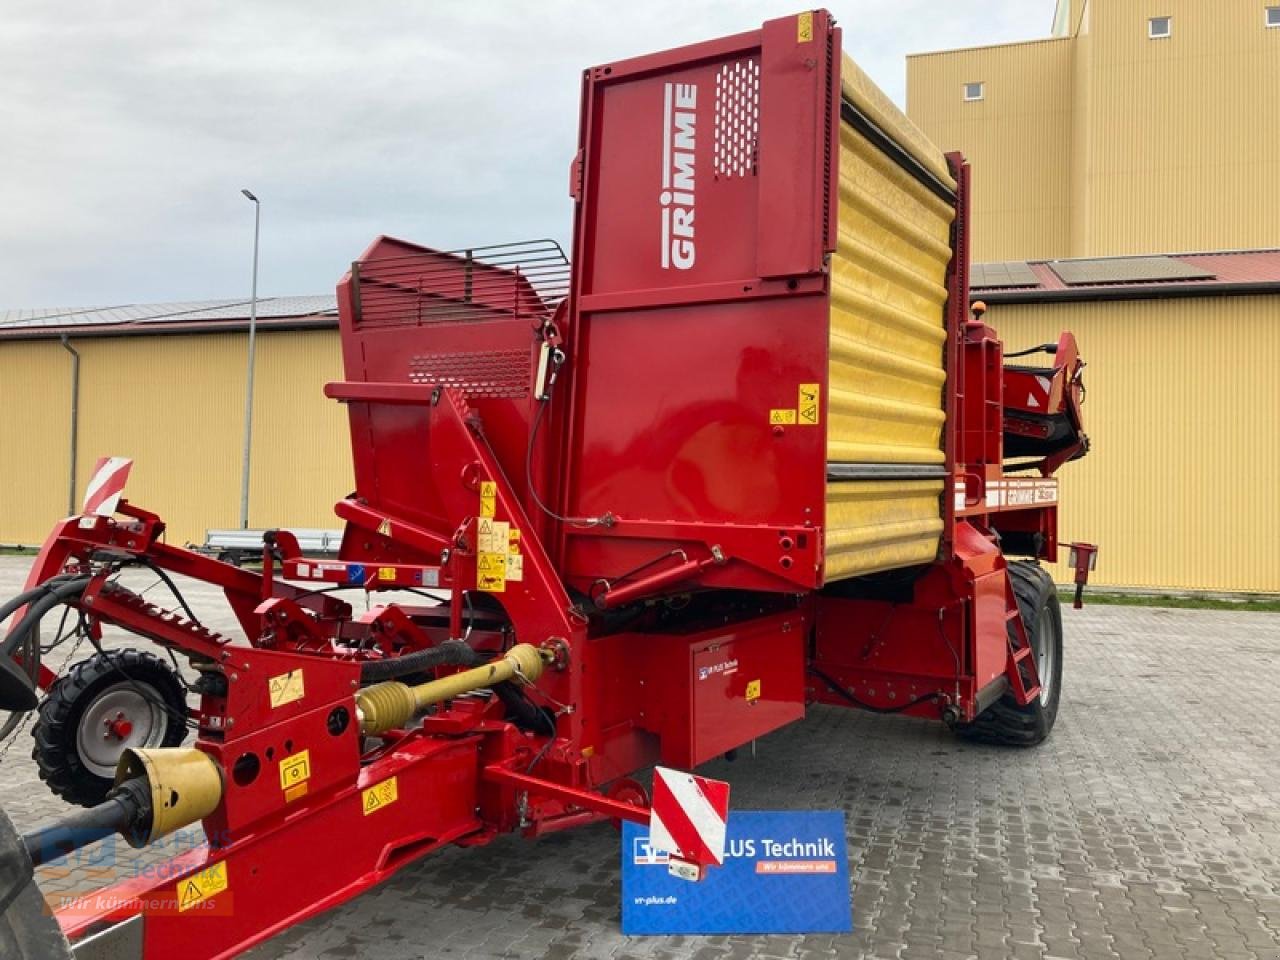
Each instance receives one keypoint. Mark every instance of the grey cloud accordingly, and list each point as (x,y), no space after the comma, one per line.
(129,128)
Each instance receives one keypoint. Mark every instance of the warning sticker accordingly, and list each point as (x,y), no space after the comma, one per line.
(804,27)
(295,769)
(488,494)
(384,528)
(386,573)
(491,572)
(782,416)
(199,887)
(808,403)
(515,566)
(380,795)
(753,690)
(494,535)
(286,688)
(513,540)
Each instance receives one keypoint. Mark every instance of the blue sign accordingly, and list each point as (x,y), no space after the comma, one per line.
(784,871)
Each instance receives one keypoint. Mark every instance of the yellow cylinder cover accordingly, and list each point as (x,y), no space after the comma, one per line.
(185,785)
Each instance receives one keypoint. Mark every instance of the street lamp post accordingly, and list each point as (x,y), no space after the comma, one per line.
(248,394)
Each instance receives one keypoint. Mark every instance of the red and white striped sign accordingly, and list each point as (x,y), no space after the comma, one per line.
(105,486)
(689,814)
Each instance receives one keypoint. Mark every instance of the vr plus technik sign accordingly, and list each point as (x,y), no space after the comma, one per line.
(783,872)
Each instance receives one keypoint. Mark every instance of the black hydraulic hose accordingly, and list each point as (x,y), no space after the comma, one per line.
(10,607)
(523,712)
(39,607)
(451,653)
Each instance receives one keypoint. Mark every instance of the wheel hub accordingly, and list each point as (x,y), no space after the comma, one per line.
(123,715)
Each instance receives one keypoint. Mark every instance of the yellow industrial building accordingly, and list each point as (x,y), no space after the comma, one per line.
(1139,128)
(165,385)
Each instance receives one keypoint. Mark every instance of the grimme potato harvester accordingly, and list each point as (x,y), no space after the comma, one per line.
(753,451)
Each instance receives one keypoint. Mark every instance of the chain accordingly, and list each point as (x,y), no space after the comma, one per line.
(13,736)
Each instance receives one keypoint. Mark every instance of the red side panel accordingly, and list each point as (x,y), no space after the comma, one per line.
(701,307)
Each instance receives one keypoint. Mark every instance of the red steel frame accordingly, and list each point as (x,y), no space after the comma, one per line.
(664,489)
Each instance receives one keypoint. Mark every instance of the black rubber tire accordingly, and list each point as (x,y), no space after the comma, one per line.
(57,723)
(1004,722)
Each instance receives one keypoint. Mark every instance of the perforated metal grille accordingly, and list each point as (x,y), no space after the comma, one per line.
(503,373)
(737,118)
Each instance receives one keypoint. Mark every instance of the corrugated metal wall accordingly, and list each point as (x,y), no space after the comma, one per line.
(1017,140)
(176,404)
(1110,142)
(1182,487)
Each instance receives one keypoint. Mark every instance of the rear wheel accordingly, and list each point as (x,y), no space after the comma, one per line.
(1004,722)
(113,700)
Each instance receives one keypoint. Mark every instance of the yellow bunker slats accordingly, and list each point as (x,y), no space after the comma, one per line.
(880,524)
(888,297)
(858,89)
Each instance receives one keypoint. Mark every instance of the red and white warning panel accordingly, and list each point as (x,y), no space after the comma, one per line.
(106,485)
(688,821)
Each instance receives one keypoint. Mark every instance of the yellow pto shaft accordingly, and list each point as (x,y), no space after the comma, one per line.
(385,706)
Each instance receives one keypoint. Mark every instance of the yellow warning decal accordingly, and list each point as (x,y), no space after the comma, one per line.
(488,494)
(808,403)
(380,795)
(493,536)
(491,572)
(199,887)
(286,688)
(515,567)
(386,573)
(384,528)
(295,769)
(513,540)
(804,27)
(753,690)
(782,416)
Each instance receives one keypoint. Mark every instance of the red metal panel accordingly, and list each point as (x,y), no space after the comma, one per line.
(708,692)
(797,198)
(682,347)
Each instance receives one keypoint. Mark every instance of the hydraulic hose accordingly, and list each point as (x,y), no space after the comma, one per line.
(9,607)
(40,605)
(451,653)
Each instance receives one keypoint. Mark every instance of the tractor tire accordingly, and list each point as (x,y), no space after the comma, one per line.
(113,700)
(1004,722)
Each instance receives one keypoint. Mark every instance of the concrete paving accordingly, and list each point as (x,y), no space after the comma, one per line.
(1147,827)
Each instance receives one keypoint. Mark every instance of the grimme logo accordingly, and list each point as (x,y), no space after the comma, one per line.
(680,101)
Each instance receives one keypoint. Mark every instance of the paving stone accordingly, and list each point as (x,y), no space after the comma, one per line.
(1147,827)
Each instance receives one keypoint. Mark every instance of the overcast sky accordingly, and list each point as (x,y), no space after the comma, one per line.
(129,128)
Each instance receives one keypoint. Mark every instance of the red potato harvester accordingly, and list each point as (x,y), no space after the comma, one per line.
(753,451)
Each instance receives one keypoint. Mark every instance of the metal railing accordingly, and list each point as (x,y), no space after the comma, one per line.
(502,281)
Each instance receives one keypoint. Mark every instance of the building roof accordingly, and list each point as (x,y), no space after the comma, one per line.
(179,317)
(1222,273)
